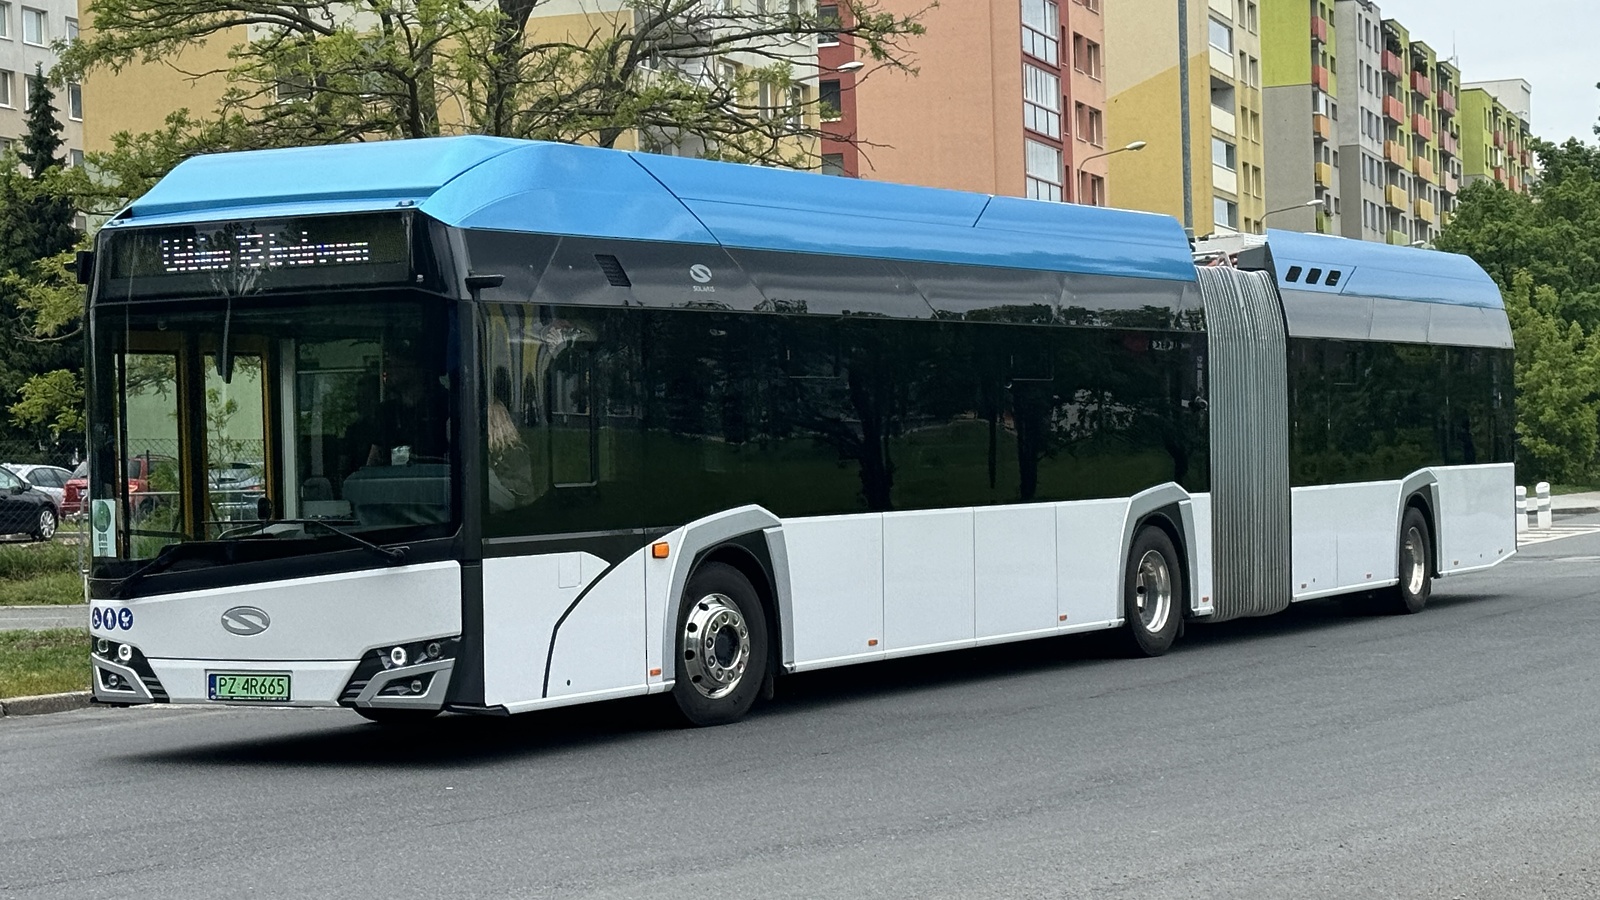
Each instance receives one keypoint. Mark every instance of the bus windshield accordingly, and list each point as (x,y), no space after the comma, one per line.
(281,420)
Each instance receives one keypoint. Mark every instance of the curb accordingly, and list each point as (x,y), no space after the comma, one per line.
(1576,511)
(45,703)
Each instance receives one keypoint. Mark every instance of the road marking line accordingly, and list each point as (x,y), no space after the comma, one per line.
(1554,533)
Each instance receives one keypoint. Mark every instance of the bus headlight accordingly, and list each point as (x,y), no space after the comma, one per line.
(124,653)
(398,656)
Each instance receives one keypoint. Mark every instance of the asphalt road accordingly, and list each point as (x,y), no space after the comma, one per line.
(1455,754)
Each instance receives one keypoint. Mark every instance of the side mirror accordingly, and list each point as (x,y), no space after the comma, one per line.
(18,488)
(264,508)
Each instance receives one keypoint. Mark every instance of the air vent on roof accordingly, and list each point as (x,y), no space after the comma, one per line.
(1294,274)
(1333,278)
(613,269)
(1313,276)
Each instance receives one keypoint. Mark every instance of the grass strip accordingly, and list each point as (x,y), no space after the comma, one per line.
(43,662)
(40,574)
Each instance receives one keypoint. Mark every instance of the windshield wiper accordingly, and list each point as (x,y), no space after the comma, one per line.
(169,554)
(391,555)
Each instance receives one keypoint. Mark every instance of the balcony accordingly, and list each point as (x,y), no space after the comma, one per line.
(1452,184)
(1423,167)
(1512,150)
(1424,210)
(1500,174)
(1448,102)
(1324,222)
(1322,79)
(1225,179)
(1324,174)
(1399,238)
(1449,143)
(1393,111)
(1396,153)
(1423,126)
(1222,62)
(1500,139)
(1319,29)
(1322,126)
(1395,197)
(1420,84)
(1224,120)
(1391,64)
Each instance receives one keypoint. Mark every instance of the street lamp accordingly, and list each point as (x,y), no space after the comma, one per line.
(1134,147)
(854,65)
(1306,205)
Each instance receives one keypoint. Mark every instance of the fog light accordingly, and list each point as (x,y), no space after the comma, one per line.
(416,686)
(433,650)
(102,647)
(112,680)
(398,656)
(124,652)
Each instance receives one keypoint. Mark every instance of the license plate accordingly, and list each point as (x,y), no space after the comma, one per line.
(247,686)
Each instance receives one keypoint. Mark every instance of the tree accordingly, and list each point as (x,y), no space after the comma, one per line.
(723,77)
(41,303)
(1544,252)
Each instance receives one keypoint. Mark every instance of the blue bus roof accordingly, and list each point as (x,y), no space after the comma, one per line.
(530,186)
(1369,269)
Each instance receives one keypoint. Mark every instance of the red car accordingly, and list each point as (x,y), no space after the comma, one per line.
(75,500)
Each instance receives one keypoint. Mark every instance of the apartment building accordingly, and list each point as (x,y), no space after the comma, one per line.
(27,32)
(1301,54)
(1496,132)
(1188,69)
(1009,99)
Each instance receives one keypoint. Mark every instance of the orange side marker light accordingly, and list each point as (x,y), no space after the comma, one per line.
(660,550)
(873,642)
(654,673)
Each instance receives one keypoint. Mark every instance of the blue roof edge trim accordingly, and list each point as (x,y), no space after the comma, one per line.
(504,184)
(1371,269)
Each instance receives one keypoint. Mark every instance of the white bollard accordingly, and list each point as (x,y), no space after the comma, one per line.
(1522,509)
(1543,490)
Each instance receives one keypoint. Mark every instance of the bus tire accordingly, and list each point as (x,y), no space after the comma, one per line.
(721,646)
(1152,593)
(400,718)
(1410,594)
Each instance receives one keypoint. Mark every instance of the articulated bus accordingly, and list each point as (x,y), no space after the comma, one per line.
(492,426)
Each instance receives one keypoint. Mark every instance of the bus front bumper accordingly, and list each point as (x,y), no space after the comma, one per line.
(124,676)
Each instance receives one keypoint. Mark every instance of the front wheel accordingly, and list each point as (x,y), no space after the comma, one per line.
(45,528)
(722,646)
(1152,593)
(1411,594)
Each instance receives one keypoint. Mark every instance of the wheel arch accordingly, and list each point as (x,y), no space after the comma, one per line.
(1170,508)
(1420,491)
(748,538)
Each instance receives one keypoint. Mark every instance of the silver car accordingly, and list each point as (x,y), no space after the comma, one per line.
(52,480)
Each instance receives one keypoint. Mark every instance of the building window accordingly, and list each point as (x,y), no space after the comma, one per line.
(33,30)
(828,14)
(1041,22)
(1044,171)
(1224,154)
(1225,213)
(1221,36)
(1086,56)
(5,88)
(72,29)
(1091,124)
(795,114)
(831,98)
(75,158)
(1041,107)
(1091,5)
(75,102)
(1091,189)
(833,163)
(5,20)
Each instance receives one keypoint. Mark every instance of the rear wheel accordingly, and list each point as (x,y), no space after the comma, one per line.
(1416,552)
(722,646)
(1152,594)
(45,527)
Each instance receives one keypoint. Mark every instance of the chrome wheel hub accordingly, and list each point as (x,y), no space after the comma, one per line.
(1413,568)
(47,525)
(1152,591)
(716,646)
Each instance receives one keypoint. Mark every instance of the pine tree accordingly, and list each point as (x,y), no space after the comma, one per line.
(41,220)
(43,140)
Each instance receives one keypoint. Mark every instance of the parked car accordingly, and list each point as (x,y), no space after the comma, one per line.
(24,509)
(76,496)
(236,492)
(75,491)
(50,479)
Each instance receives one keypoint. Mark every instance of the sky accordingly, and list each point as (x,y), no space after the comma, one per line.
(1548,43)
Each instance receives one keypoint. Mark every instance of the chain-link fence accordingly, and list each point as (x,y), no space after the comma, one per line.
(66,453)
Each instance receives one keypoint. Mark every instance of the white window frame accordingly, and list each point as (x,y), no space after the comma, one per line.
(1042,163)
(1211,34)
(823,39)
(5,21)
(7,85)
(75,101)
(1041,101)
(1041,30)
(44,27)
